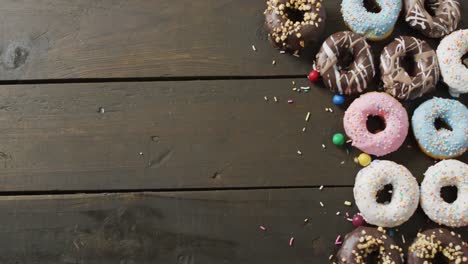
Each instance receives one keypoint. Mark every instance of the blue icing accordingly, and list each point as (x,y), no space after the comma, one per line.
(442,142)
(371,25)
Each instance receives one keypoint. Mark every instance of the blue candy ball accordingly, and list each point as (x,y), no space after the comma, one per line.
(338,99)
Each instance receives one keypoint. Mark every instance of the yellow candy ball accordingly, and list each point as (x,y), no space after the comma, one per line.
(364,159)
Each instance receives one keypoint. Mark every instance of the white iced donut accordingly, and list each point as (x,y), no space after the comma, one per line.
(405,194)
(450,51)
(446,173)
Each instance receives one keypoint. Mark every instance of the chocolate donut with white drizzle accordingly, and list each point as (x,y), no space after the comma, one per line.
(425,71)
(446,17)
(354,78)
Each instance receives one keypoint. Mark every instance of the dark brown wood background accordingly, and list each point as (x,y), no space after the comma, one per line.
(137,132)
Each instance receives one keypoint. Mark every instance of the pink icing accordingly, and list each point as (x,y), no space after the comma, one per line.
(387,108)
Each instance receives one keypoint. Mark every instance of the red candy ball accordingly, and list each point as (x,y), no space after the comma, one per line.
(313,76)
(358,220)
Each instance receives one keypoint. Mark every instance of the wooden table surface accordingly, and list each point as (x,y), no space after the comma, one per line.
(137,132)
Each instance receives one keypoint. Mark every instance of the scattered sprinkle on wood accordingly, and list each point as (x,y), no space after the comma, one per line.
(330,257)
(321,187)
(304,129)
(305,87)
(141,153)
(273,62)
(321,204)
(263,228)
(299,152)
(342,162)
(294,88)
(403,239)
(282,51)
(330,110)
(276,99)
(349,219)
(347,203)
(290,101)
(306,220)
(323,146)
(254,48)
(266,98)
(293,82)
(307,117)
(338,240)
(349,141)
(291,241)
(338,213)
(347,214)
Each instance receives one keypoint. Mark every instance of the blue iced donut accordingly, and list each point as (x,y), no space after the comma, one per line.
(373,26)
(442,143)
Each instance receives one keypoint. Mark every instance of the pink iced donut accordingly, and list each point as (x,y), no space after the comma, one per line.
(389,110)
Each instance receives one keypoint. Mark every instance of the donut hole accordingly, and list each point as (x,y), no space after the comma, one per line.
(408,64)
(294,15)
(345,60)
(439,258)
(464,60)
(439,124)
(372,6)
(431,6)
(375,124)
(449,194)
(373,257)
(384,195)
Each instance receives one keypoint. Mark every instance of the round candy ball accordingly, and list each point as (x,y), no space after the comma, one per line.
(338,99)
(338,139)
(313,76)
(358,220)
(364,159)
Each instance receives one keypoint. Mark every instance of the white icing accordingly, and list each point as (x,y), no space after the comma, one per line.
(446,173)
(449,53)
(405,195)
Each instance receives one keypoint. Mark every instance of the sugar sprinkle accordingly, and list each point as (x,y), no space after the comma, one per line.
(266,98)
(338,240)
(307,116)
(348,203)
(323,146)
(299,152)
(276,99)
(321,187)
(321,204)
(254,48)
(291,241)
(263,228)
(403,239)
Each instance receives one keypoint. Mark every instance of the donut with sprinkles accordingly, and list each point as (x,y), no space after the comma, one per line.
(449,53)
(442,174)
(373,26)
(405,195)
(450,140)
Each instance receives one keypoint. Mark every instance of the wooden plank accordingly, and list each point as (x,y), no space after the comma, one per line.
(53,39)
(187,227)
(156,135)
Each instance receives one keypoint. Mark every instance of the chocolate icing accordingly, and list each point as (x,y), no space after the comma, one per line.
(430,242)
(359,73)
(285,32)
(363,241)
(446,18)
(397,81)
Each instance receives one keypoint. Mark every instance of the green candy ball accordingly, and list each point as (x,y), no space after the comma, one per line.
(338,139)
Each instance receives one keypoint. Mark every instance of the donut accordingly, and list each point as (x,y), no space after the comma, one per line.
(441,143)
(438,240)
(425,73)
(442,174)
(373,26)
(450,51)
(405,194)
(445,20)
(293,25)
(363,241)
(334,52)
(389,110)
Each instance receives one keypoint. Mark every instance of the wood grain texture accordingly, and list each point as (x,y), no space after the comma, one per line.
(157,135)
(55,39)
(180,228)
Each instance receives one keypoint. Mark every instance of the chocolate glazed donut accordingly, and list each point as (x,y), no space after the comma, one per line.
(362,241)
(397,81)
(446,18)
(353,79)
(430,242)
(294,24)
